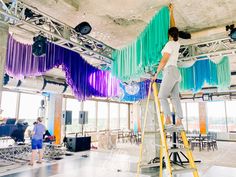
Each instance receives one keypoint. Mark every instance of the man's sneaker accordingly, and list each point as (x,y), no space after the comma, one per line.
(169,126)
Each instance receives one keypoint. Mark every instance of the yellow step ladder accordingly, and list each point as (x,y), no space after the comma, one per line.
(164,150)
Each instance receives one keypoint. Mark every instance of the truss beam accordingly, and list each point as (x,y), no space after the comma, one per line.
(19,14)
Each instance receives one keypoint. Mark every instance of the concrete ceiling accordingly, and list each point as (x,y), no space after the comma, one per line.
(119,22)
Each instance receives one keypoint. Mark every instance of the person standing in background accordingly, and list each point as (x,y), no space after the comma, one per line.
(37,141)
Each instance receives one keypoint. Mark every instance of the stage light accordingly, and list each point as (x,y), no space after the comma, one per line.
(205,97)
(232,30)
(83,28)
(184,35)
(39,46)
(29,13)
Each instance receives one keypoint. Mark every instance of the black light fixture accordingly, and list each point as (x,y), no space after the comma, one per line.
(232,30)
(184,35)
(83,28)
(28,13)
(205,97)
(39,46)
(31,15)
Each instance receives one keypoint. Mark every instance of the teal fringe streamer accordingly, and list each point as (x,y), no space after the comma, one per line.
(141,55)
(206,72)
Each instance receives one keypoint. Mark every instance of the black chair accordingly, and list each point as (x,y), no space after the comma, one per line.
(18,134)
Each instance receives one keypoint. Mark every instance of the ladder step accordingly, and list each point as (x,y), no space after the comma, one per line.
(177,150)
(178,144)
(152,132)
(183,170)
(172,130)
(150,165)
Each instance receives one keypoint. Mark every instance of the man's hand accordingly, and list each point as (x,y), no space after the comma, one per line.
(154,77)
(171,7)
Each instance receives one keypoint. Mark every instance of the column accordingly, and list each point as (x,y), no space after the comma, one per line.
(129,117)
(3,48)
(55,120)
(203,118)
(119,117)
(96,116)
(150,150)
(18,105)
(109,118)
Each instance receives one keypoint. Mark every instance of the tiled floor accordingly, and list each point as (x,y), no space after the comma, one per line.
(121,163)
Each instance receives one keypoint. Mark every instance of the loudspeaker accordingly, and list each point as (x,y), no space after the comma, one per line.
(184,35)
(67,116)
(76,144)
(83,28)
(39,46)
(83,117)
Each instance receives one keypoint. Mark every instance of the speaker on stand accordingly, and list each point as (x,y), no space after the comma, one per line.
(83,119)
(67,118)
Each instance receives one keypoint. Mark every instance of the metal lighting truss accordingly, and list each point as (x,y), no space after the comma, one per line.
(210,49)
(29,18)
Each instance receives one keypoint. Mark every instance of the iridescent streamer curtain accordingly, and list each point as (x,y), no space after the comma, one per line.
(132,61)
(206,72)
(141,93)
(84,79)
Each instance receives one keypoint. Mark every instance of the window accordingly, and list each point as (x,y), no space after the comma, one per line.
(9,100)
(216,116)
(114,116)
(90,106)
(124,116)
(184,114)
(231,115)
(29,106)
(102,115)
(74,106)
(193,116)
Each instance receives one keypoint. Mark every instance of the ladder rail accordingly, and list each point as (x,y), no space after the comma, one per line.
(161,127)
(161,152)
(164,151)
(189,153)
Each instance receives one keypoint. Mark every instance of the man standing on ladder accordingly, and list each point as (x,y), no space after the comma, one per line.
(171,76)
(169,87)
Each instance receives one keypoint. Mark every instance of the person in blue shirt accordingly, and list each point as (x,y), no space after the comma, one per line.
(37,141)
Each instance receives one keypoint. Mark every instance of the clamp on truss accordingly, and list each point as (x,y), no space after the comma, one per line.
(210,49)
(19,14)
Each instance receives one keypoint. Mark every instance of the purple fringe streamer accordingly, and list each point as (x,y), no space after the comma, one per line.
(84,79)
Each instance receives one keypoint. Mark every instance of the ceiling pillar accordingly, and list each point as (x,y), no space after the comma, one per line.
(4,28)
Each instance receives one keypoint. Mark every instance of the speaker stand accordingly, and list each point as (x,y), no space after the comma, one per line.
(82,126)
(65,138)
(177,160)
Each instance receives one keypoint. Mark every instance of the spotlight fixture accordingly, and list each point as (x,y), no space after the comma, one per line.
(207,97)
(31,15)
(39,46)
(232,30)
(83,28)
(184,35)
